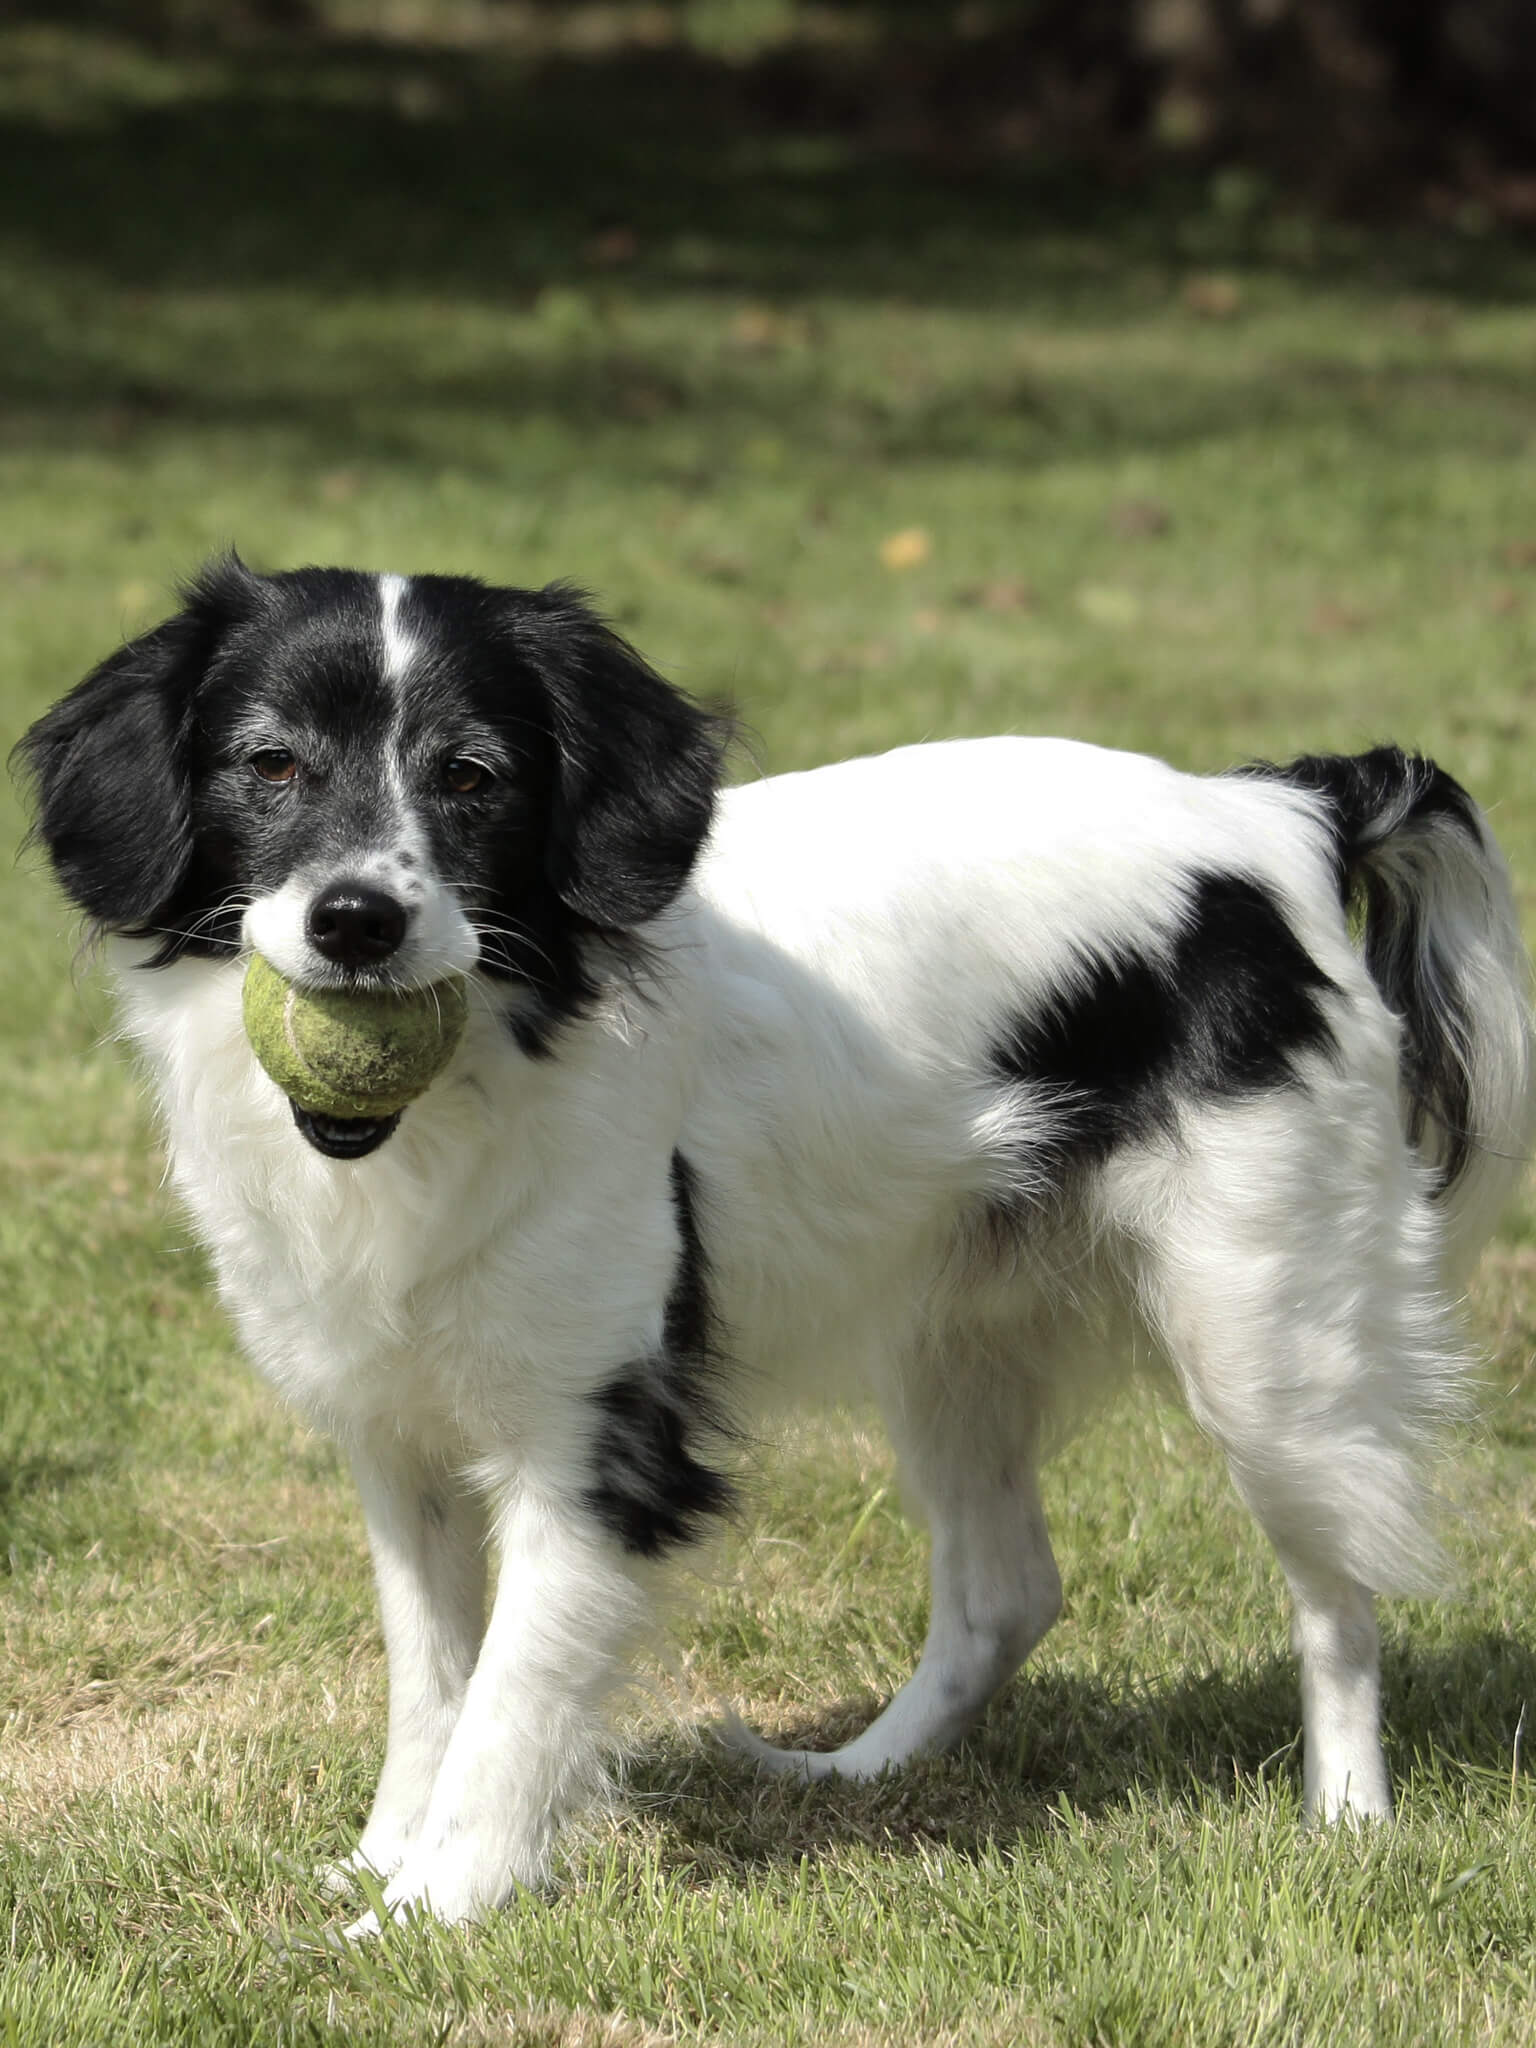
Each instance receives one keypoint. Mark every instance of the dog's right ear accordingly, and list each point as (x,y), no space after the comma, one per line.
(110,764)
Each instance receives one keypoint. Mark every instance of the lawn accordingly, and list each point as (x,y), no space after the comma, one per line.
(878,454)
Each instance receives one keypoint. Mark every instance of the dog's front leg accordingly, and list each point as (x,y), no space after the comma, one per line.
(567,1608)
(427,1533)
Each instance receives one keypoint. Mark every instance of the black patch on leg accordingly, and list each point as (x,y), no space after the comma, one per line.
(1221,1012)
(649,1489)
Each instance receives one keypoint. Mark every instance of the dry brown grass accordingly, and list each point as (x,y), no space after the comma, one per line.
(203,1722)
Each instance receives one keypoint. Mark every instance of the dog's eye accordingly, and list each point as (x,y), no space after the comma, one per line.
(275,764)
(463,776)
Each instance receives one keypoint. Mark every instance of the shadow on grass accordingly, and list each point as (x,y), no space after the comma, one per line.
(1053,1737)
(409,408)
(344,165)
(441,180)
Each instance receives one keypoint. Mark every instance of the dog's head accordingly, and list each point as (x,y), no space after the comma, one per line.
(374,779)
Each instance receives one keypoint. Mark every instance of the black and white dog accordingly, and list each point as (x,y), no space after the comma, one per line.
(946,1080)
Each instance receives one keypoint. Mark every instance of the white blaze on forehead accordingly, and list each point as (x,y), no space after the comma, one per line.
(388,847)
(399,648)
(399,652)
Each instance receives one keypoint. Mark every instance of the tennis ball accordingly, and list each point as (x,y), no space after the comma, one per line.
(351,1052)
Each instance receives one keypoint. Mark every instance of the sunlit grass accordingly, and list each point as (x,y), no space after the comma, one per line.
(1208,487)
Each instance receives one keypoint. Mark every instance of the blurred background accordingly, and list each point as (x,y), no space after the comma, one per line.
(1156,369)
(1161,372)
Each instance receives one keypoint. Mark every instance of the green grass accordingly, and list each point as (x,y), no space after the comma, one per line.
(1194,476)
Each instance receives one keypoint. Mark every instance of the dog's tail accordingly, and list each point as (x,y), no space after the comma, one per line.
(1427,887)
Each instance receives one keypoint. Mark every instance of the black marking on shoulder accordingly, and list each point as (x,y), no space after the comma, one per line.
(649,1489)
(1223,1011)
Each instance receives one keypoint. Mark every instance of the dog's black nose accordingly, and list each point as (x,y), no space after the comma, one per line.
(356,925)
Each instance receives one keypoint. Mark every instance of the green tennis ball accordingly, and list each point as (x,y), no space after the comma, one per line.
(351,1053)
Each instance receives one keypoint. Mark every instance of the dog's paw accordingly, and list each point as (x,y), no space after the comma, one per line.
(366,1929)
(732,1733)
(378,1859)
(336,1880)
(1346,1806)
(445,1885)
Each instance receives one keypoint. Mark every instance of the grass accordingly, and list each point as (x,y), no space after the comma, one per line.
(1169,469)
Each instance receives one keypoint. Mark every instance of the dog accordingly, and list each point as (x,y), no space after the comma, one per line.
(947,1081)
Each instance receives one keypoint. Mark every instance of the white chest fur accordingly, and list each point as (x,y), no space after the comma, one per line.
(516,1239)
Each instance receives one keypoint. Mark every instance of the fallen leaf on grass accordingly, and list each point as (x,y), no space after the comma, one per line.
(761,330)
(1139,519)
(1002,594)
(1213,298)
(611,247)
(718,566)
(906,549)
(1332,616)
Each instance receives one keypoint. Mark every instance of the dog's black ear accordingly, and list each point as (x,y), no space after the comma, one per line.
(109,764)
(636,764)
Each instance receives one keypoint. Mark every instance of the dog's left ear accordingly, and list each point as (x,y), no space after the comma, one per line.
(637,766)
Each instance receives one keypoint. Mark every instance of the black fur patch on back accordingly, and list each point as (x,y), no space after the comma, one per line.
(1222,1012)
(1371,798)
(648,1487)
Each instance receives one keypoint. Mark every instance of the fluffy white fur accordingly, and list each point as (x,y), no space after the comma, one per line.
(813,1038)
(950,1081)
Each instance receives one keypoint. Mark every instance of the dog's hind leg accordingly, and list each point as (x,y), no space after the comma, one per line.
(1294,1284)
(1333,1632)
(995,1592)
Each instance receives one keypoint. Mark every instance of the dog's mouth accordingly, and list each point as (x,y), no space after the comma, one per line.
(344,1137)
